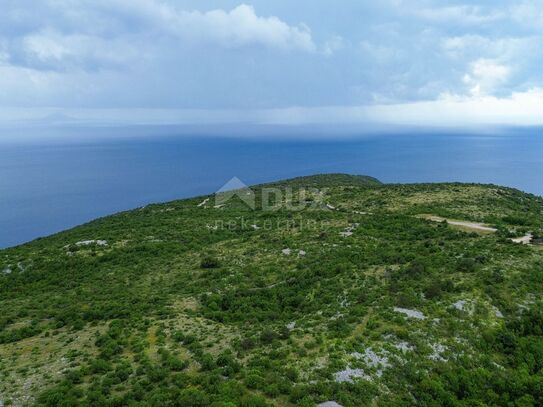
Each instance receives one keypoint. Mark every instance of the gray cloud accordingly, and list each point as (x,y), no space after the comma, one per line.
(94,35)
(284,57)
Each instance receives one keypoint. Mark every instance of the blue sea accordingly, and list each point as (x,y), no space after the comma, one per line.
(50,185)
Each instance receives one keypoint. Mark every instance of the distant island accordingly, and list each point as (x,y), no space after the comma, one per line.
(330,290)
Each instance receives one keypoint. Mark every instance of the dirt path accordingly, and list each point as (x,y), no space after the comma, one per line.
(524,239)
(359,329)
(527,239)
(468,225)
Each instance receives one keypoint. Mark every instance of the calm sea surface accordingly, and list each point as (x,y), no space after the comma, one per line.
(48,187)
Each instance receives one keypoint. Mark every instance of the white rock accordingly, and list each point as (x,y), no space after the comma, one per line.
(372,359)
(89,242)
(404,346)
(498,313)
(286,251)
(459,305)
(7,270)
(301,253)
(349,374)
(329,404)
(348,231)
(410,312)
(498,366)
(203,202)
(291,325)
(437,349)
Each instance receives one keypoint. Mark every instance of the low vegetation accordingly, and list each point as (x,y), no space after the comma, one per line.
(355,297)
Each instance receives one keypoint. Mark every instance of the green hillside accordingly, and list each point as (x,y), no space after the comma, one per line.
(323,288)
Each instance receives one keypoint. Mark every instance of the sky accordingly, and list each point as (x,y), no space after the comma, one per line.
(280,62)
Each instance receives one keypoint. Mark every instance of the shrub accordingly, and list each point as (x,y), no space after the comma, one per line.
(209,262)
(466,265)
(192,397)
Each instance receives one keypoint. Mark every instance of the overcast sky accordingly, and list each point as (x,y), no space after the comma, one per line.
(280,62)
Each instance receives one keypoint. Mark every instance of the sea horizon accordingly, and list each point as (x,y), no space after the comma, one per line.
(48,185)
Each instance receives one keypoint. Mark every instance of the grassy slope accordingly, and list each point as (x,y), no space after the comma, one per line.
(191,305)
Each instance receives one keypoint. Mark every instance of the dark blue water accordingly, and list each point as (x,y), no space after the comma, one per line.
(48,187)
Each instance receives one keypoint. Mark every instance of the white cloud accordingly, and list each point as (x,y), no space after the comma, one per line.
(473,45)
(45,47)
(333,45)
(184,53)
(379,53)
(93,35)
(458,45)
(49,49)
(240,27)
(520,108)
(528,13)
(237,27)
(4,54)
(464,15)
(485,76)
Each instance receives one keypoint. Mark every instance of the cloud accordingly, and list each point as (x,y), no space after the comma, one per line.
(459,46)
(520,108)
(528,14)
(116,34)
(4,54)
(485,76)
(464,15)
(333,45)
(449,110)
(239,27)
(96,31)
(49,49)
(228,55)
(475,45)
(382,54)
